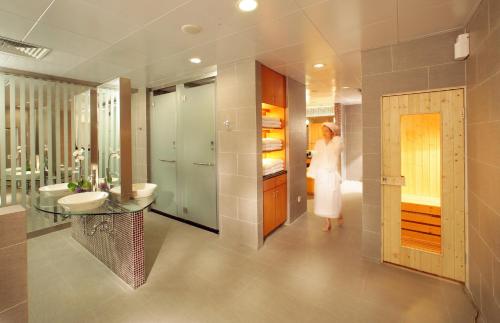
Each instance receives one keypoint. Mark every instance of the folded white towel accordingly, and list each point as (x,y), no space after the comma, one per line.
(270,118)
(271,140)
(268,163)
(273,170)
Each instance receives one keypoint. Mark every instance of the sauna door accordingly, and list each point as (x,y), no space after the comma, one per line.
(423,182)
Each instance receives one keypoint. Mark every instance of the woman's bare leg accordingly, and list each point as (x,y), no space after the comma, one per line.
(328,224)
(340,220)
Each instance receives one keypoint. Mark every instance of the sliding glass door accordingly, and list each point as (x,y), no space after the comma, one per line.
(163,118)
(183,153)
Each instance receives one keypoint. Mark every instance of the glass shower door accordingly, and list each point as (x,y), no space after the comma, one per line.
(197,169)
(163,152)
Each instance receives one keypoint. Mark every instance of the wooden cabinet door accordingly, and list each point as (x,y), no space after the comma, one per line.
(281,207)
(267,85)
(269,211)
(279,90)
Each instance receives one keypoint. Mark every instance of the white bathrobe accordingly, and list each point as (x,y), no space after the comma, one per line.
(324,170)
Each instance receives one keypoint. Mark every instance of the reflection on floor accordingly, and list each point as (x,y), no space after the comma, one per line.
(301,275)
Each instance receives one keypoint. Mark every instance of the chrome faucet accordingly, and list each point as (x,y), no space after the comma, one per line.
(116,154)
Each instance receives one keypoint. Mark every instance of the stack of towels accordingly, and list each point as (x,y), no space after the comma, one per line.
(271,122)
(270,144)
(272,165)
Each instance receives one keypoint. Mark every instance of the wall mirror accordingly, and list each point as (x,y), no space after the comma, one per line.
(114,162)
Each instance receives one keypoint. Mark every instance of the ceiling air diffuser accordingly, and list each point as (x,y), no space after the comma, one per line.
(22,49)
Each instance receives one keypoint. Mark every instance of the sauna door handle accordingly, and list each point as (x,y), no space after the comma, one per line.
(393,180)
(204,164)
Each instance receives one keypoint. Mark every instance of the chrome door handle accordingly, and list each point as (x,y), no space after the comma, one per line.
(167,161)
(204,164)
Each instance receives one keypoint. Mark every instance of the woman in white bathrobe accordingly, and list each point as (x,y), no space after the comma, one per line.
(324,170)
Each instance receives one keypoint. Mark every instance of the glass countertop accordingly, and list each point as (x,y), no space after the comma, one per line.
(111,206)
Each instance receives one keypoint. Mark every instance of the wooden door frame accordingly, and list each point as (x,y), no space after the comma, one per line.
(466,208)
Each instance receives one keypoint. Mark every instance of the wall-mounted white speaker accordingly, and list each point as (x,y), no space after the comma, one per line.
(462,47)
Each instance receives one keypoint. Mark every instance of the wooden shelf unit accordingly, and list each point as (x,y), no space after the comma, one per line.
(275,196)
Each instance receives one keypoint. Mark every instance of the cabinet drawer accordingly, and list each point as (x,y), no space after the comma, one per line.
(269,184)
(280,180)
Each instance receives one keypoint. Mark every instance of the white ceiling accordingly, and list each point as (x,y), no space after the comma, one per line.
(97,40)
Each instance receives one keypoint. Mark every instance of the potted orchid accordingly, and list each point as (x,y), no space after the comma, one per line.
(81,185)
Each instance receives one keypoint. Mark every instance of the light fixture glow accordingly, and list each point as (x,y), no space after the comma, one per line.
(319,65)
(248,5)
(195,60)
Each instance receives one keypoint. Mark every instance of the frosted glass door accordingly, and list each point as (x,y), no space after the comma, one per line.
(197,170)
(163,152)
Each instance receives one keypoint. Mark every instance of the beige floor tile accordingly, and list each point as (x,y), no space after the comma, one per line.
(301,274)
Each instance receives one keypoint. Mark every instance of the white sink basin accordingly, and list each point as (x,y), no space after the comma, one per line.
(83,201)
(55,190)
(139,190)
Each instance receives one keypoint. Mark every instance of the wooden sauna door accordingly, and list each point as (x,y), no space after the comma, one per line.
(423,182)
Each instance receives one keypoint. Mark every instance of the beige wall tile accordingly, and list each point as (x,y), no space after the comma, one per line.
(227,115)
(447,75)
(18,314)
(371,245)
(376,61)
(494,15)
(12,225)
(227,163)
(227,141)
(478,26)
(426,51)
(496,279)
(488,61)
(247,210)
(489,227)
(471,70)
(372,217)
(371,166)
(247,187)
(371,111)
(246,141)
(247,165)
(401,81)
(247,119)
(13,275)
(371,191)
(228,184)
(228,206)
(480,255)
(371,141)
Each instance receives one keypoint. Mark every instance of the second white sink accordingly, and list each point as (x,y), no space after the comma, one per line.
(139,190)
(81,202)
(55,190)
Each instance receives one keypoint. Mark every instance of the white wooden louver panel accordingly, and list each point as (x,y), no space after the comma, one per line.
(58,133)
(3,157)
(50,152)
(32,136)
(13,140)
(22,107)
(41,134)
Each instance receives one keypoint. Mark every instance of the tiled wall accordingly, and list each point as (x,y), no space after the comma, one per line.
(139,137)
(13,265)
(353,137)
(483,158)
(239,164)
(416,65)
(296,149)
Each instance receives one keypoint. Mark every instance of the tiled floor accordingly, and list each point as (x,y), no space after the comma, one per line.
(301,275)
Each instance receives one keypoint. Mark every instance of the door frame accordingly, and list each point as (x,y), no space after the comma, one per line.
(466,208)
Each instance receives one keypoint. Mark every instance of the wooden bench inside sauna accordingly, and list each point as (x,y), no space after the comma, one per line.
(421,223)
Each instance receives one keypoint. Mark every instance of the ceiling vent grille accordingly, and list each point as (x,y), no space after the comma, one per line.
(22,49)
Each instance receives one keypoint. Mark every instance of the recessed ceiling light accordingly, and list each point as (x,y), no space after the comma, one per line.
(319,65)
(191,29)
(195,60)
(248,5)
(346,87)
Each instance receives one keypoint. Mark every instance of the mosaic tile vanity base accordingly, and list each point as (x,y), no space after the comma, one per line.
(120,245)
